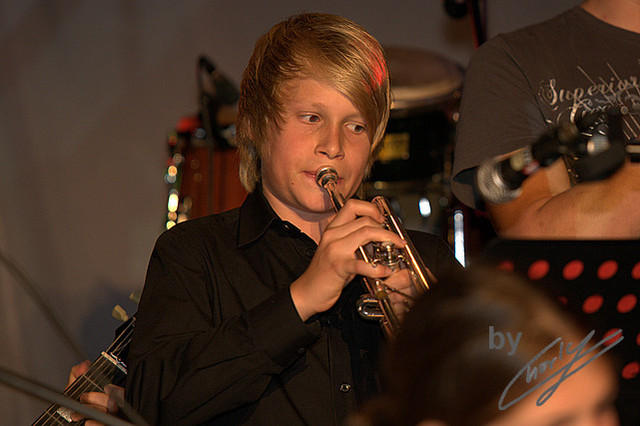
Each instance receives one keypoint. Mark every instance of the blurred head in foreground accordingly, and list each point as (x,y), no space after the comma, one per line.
(441,371)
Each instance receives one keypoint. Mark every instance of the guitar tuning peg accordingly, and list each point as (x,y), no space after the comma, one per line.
(135,296)
(119,313)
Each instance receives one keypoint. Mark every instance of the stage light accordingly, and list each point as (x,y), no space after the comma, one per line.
(172,204)
(425,207)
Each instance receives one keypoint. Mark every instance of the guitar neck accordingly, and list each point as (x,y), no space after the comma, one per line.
(107,369)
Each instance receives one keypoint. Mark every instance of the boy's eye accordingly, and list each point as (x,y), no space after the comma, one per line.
(310,118)
(356,128)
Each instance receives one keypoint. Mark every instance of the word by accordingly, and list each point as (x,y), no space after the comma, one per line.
(513,343)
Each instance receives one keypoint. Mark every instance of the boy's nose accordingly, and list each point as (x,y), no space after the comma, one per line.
(331,145)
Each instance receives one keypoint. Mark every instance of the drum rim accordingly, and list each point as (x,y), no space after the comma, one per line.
(426,93)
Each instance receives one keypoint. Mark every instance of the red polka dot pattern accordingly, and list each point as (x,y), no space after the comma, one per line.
(611,333)
(607,269)
(507,266)
(627,303)
(591,278)
(631,370)
(635,272)
(538,269)
(572,270)
(592,303)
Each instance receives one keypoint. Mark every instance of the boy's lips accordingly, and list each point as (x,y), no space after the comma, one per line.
(313,174)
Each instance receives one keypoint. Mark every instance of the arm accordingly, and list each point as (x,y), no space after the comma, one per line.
(334,264)
(550,208)
(197,353)
(498,114)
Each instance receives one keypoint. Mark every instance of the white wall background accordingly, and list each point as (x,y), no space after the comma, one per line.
(88,92)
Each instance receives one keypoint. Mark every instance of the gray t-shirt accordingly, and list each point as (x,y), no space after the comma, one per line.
(521,84)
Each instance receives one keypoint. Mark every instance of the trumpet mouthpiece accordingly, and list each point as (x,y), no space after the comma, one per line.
(326,175)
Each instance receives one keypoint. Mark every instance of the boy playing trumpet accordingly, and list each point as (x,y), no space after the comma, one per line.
(248,316)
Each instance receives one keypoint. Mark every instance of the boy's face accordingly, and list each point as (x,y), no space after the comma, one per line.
(320,127)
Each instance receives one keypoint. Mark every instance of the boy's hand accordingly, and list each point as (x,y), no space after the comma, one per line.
(405,293)
(335,262)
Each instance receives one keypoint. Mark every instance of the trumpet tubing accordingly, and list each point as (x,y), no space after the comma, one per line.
(376,304)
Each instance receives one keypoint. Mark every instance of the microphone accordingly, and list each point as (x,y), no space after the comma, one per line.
(217,98)
(597,139)
(499,179)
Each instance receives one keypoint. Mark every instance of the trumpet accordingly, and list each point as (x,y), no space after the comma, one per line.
(376,304)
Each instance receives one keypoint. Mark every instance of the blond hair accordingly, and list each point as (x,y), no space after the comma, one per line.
(325,47)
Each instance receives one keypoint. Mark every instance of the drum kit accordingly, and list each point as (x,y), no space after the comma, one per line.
(412,170)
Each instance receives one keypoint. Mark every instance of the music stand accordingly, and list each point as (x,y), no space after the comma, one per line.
(599,281)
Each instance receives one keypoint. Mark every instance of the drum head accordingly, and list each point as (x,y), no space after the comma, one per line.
(421,78)
(425,88)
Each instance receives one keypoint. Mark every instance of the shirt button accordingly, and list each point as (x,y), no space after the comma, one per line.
(345,387)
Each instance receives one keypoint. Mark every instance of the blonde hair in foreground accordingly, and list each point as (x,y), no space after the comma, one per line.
(328,48)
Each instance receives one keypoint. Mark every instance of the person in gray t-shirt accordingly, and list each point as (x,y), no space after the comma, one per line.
(524,83)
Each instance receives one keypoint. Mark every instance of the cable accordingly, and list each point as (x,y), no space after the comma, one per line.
(37,297)
(42,392)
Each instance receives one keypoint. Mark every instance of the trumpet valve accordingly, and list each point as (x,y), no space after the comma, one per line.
(386,253)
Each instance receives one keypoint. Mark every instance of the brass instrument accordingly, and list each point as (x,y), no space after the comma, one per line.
(376,304)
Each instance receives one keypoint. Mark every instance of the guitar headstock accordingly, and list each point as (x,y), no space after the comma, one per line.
(119,313)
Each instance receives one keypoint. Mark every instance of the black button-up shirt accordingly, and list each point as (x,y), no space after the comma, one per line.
(218,340)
